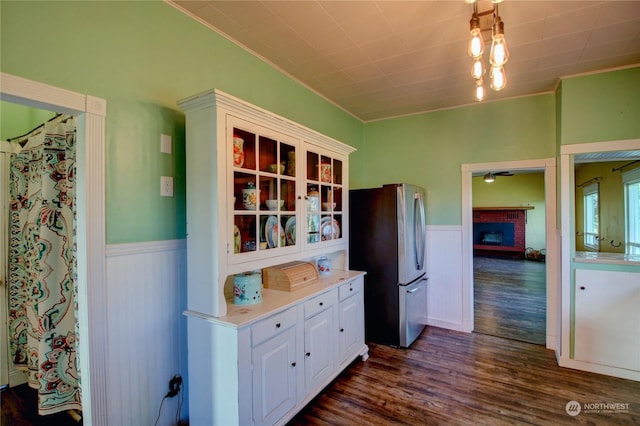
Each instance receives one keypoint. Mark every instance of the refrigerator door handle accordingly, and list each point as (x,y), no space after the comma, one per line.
(418,229)
(413,290)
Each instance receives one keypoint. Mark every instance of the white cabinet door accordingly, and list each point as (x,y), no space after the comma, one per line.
(351,319)
(607,318)
(274,378)
(350,338)
(319,336)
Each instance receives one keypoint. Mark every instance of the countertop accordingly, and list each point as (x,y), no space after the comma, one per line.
(276,300)
(611,258)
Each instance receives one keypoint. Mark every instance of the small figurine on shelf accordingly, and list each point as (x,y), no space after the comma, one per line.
(238,152)
(249,196)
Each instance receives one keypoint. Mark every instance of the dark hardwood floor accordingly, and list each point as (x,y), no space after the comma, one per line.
(19,408)
(510,298)
(453,378)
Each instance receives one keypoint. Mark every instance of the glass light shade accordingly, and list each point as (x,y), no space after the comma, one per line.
(498,78)
(489,178)
(476,44)
(478,93)
(477,69)
(499,52)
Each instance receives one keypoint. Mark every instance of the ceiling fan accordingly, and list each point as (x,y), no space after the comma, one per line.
(491,176)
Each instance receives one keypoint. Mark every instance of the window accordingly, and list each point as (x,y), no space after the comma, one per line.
(631,183)
(590,194)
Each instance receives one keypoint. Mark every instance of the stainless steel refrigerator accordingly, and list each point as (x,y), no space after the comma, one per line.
(387,239)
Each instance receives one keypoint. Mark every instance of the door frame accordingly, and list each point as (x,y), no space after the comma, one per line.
(90,113)
(548,165)
(5,371)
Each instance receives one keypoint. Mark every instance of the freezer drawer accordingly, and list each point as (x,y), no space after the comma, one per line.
(413,311)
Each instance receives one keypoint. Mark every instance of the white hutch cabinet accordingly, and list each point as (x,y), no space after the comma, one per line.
(263,191)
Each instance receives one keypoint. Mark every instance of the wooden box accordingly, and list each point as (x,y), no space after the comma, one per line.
(289,276)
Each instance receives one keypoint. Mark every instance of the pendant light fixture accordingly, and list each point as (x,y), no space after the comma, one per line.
(498,56)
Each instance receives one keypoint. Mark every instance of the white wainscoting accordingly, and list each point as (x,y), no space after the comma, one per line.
(445,290)
(146,331)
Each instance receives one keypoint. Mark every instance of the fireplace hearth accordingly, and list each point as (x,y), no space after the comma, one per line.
(499,231)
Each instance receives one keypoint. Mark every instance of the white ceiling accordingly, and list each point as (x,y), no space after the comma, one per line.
(381,59)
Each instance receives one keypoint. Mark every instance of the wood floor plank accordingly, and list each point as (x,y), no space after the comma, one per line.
(19,408)
(448,377)
(510,298)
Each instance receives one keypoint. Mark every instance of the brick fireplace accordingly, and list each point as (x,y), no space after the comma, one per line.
(499,231)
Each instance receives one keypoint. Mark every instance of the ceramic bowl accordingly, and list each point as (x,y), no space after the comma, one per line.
(273,204)
(275,168)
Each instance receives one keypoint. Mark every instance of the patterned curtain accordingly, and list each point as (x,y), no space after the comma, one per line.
(42,265)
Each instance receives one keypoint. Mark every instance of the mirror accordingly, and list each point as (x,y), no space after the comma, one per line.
(599,186)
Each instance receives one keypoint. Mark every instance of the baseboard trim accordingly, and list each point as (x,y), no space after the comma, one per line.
(600,369)
(447,324)
(128,249)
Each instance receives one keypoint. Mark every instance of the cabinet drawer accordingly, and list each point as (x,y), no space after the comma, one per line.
(320,303)
(350,288)
(269,327)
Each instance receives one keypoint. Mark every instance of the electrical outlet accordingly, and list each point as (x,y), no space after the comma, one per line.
(166,186)
(174,386)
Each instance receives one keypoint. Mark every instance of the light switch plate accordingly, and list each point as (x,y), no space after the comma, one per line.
(166,186)
(165,144)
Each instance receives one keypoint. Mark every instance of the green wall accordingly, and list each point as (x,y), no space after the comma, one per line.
(429,149)
(17,120)
(155,56)
(520,190)
(601,107)
(142,57)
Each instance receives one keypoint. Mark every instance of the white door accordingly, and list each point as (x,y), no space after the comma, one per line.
(350,324)
(274,378)
(318,347)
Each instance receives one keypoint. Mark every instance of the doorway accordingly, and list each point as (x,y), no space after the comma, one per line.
(550,269)
(509,251)
(90,113)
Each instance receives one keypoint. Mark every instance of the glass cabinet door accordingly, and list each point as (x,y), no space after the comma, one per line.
(264,191)
(324,198)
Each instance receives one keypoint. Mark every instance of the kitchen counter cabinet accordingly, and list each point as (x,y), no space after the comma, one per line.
(262,363)
(607,318)
(261,191)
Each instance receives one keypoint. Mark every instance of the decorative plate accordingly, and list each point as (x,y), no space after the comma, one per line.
(329,229)
(272,231)
(290,230)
